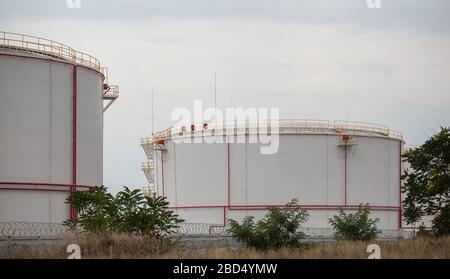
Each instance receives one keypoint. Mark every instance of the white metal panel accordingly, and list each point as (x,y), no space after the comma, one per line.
(395,164)
(24,120)
(169,184)
(238,174)
(199,176)
(89,128)
(60,115)
(297,170)
(335,172)
(201,215)
(28,206)
(370,172)
(158,172)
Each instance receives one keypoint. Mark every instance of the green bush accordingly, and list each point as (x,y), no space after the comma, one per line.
(355,226)
(441,223)
(127,212)
(279,228)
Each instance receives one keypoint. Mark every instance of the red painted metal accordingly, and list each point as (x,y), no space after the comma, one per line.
(321,206)
(162,174)
(224,216)
(197,206)
(224,220)
(106,89)
(73,187)
(229,175)
(314,208)
(42,184)
(345,175)
(36,190)
(265,206)
(400,212)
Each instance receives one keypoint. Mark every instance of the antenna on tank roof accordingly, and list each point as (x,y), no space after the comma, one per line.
(215,97)
(215,90)
(153,113)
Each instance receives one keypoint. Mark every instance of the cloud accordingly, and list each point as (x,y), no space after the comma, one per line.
(423,14)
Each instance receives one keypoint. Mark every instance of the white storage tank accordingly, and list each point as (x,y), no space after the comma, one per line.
(325,165)
(51,127)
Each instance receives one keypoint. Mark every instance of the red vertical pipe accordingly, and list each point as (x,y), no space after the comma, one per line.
(229,175)
(224,216)
(400,212)
(73,187)
(345,174)
(162,173)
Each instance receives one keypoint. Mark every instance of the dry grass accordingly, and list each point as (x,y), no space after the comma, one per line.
(96,246)
(418,248)
(129,247)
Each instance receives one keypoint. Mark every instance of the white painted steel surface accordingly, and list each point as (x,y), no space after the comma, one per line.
(36,134)
(211,183)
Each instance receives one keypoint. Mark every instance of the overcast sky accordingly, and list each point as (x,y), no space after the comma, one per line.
(314,59)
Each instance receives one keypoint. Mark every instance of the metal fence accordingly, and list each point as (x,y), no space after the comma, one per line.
(33,230)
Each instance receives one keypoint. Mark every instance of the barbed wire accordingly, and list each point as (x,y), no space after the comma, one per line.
(193,228)
(34,230)
(31,230)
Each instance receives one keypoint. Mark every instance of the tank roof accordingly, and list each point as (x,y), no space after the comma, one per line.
(49,48)
(285,126)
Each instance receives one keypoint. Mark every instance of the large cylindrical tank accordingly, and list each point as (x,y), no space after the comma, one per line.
(51,127)
(325,165)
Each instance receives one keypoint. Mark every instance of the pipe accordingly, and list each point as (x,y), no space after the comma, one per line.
(345,175)
(37,190)
(229,175)
(400,212)
(162,174)
(224,221)
(266,206)
(73,188)
(42,184)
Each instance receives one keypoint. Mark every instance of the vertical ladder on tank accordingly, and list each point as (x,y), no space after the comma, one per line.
(151,146)
(148,169)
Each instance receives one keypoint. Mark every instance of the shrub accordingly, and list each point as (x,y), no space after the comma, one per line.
(279,228)
(127,212)
(355,226)
(441,223)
